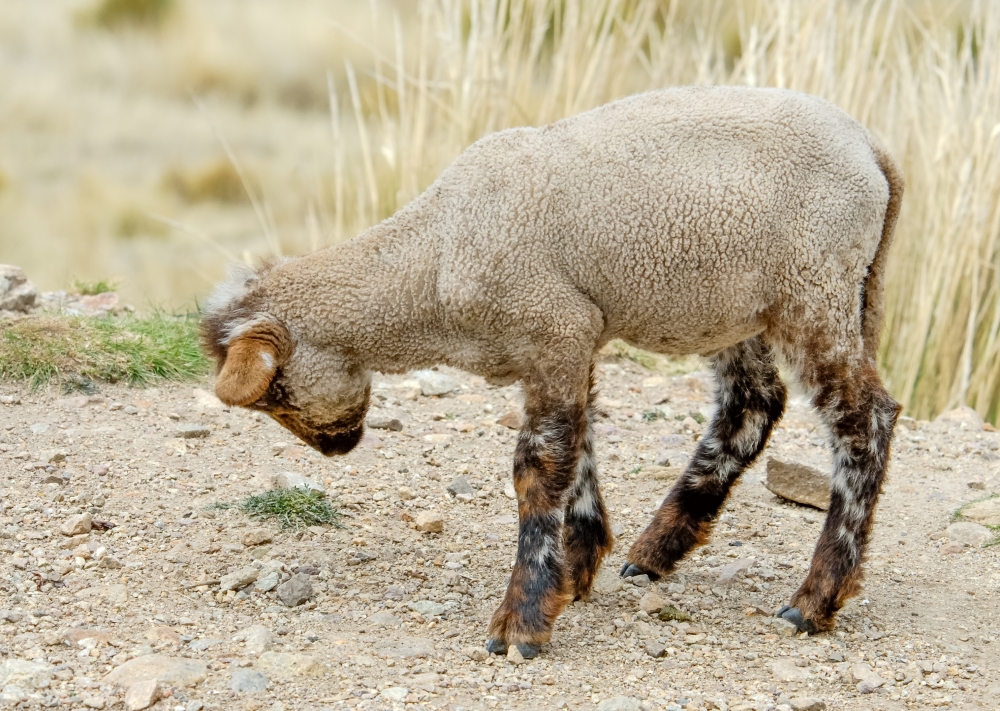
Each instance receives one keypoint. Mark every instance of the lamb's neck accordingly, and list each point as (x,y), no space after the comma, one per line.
(376,296)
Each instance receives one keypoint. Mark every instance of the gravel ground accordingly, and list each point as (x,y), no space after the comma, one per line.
(397,617)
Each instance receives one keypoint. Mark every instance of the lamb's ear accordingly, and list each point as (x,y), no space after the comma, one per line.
(252,359)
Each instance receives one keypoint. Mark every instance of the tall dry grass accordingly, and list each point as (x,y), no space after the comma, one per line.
(926,81)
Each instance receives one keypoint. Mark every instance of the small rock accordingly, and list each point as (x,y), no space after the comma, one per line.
(257,639)
(142,694)
(247,681)
(238,579)
(256,537)
(806,703)
(477,654)
(191,431)
(268,581)
(172,671)
(427,608)
(395,693)
(296,590)
(383,422)
(461,488)
(655,650)
(640,581)
(54,456)
(964,418)
(433,382)
(406,493)
(12,695)
(651,603)
(509,491)
(798,482)
(985,512)
(22,673)
(867,686)
(733,570)
(94,702)
(970,534)
(514,655)
(619,703)
(952,548)
(289,664)
(77,525)
(511,420)
(429,522)
(16,292)
(783,627)
(384,619)
(785,669)
(290,480)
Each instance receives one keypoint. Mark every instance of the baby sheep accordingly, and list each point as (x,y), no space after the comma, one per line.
(741,224)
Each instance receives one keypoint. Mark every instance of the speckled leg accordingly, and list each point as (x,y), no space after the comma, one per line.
(750,400)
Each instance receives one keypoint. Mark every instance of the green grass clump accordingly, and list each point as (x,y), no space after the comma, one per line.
(92,288)
(113,14)
(130,349)
(293,508)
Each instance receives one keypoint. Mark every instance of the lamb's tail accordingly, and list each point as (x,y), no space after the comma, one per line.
(873,289)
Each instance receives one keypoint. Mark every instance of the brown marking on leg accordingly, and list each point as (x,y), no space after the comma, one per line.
(750,399)
(861,415)
(587,536)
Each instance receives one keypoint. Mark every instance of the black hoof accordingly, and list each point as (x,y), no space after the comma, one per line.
(629,570)
(794,615)
(528,651)
(496,646)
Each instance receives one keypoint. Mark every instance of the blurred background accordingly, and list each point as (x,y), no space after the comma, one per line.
(152,141)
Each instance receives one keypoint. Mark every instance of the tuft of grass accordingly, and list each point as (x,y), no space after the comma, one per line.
(133,222)
(129,349)
(669,612)
(216,182)
(93,288)
(653,415)
(115,14)
(292,508)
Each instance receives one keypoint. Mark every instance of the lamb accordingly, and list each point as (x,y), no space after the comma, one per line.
(747,225)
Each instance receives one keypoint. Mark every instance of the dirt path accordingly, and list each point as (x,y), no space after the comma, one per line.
(398,617)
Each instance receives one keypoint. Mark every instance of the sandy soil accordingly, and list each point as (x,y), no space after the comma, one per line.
(926,624)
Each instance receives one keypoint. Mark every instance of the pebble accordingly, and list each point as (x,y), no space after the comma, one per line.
(142,694)
(247,681)
(290,480)
(806,703)
(970,534)
(268,581)
(256,537)
(651,603)
(191,431)
(461,488)
(429,522)
(427,608)
(514,655)
(406,493)
(289,664)
(783,627)
(23,673)
(433,382)
(619,703)
(296,590)
(509,491)
(12,695)
(94,702)
(384,422)
(732,571)
(395,693)
(641,581)
(511,420)
(655,650)
(173,671)
(797,482)
(607,582)
(77,525)
(257,639)
(238,579)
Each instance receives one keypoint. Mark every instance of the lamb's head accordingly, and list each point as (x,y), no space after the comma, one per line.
(315,391)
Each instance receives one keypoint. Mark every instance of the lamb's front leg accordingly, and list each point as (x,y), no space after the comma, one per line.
(544,466)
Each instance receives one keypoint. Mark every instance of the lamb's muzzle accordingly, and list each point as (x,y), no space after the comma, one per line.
(750,225)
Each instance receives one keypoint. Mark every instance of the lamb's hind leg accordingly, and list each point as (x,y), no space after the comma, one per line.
(587,536)
(861,416)
(750,400)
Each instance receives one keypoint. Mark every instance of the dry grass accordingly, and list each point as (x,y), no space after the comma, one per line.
(218,181)
(114,14)
(414,83)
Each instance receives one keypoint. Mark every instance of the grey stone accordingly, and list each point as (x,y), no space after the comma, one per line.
(289,664)
(16,292)
(268,581)
(461,487)
(383,422)
(23,673)
(290,480)
(651,603)
(12,695)
(238,579)
(192,431)
(200,645)
(296,590)
(640,581)
(394,693)
(619,703)
(806,703)
(800,483)
(655,650)
(964,418)
(970,534)
(142,694)
(247,681)
(433,382)
(427,607)
(172,671)
(731,571)
(257,639)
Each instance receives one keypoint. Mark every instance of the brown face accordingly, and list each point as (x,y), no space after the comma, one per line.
(338,436)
